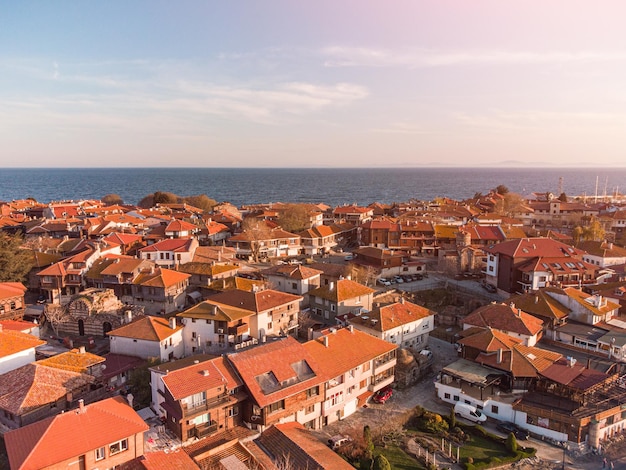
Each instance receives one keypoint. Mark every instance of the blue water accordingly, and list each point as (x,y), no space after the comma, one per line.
(330,186)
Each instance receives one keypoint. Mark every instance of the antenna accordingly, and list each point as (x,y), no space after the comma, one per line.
(560,185)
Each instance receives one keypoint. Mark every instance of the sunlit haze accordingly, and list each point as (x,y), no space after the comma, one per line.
(312,84)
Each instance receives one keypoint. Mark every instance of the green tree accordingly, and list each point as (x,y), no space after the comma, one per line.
(563,197)
(511,443)
(139,384)
(15,262)
(294,218)
(381,463)
(112,199)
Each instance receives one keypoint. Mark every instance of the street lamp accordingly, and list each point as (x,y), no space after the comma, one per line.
(564,449)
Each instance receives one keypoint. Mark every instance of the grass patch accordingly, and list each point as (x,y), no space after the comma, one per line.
(398,459)
(481,449)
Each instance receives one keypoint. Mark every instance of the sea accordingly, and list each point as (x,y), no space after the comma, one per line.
(332,186)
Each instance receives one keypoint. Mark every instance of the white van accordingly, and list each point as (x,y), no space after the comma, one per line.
(469,412)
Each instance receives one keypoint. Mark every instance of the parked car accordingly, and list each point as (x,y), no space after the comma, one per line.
(469,412)
(489,287)
(383,395)
(384,282)
(398,279)
(417,277)
(508,428)
(348,257)
(407,278)
(337,441)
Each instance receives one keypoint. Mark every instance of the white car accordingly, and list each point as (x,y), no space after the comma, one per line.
(384,282)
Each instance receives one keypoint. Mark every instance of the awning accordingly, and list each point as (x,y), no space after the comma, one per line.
(363,397)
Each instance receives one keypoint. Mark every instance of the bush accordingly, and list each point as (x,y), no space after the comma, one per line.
(511,443)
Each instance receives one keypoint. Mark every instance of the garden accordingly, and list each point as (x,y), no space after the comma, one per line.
(420,439)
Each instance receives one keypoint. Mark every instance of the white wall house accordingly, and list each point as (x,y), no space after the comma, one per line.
(149,337)
(17,349)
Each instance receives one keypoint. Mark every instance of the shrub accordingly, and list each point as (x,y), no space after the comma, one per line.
(511,443)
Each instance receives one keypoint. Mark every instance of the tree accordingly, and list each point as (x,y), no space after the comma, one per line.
(15,262)
(139,384)
(163,197)
(201,201)
(501,189)
(511,443)
(112,200)
(55,314)
(509,204)
(256,232)
(381,463)
(294,218)
(452,419)
(563,197)
(369,443)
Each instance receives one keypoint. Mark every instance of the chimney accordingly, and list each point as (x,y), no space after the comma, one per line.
(519,312)
(81,406)
(351,328)
(205,372)
(129,315)
(499,358)
(536,299)
(81,350)
(130,398)
(331,286)
(325,340)
(173,323)
(512,305)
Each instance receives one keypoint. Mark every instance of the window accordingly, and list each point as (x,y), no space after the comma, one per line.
(118,447)
(446,396)
(456,398)
(490,268)
(366,366)
(494,409)
(313,392)
(269,326)
(100,453)
(310,409)
(234,411)
(279,405)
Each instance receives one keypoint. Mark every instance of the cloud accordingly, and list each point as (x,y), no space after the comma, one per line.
(337,56)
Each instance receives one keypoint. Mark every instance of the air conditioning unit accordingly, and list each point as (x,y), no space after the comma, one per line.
(220,331)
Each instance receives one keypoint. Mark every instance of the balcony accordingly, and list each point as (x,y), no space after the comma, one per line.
(189,410)
(238,330)
(204,429)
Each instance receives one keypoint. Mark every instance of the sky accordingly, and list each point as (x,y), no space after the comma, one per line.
(340,83)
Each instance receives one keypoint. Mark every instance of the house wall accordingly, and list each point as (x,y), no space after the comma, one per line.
(135,347)
(135,449)
(19,359)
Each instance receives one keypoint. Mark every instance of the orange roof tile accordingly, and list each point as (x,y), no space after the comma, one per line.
(73,360)
(346,350)
(200,377)
(13,342)
(343,289)
(505,317)
(67,435)
(11,289)
(253,301)
(146,328)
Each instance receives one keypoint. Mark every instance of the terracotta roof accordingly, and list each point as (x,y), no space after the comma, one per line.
(293,445)
(34,385)
(17,325)
(118,363)
(489,340)
(535,247)
(180,226)
(390,316)
(595,304)
(123,265)
(13,342)
(297,272)
(276,360)
(61,437)
(166,460)
(161,277)
(11,289)
(147,328)
(171,244)
(505,317)
(207,268)
(253,301)
(574,375)
(212,311)
(73,360)
(341,290)
(352,210)
(345,350)
(200,377)
(540,304)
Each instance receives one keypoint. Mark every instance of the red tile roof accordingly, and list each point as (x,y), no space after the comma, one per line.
(162,460)
(200,377)
(13,342)
(11,289)
(161,277)
(345,350)
(276,358)
(341,290)
(33,385)
(506,318)
(260,301)
(146,328)
(61,437)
